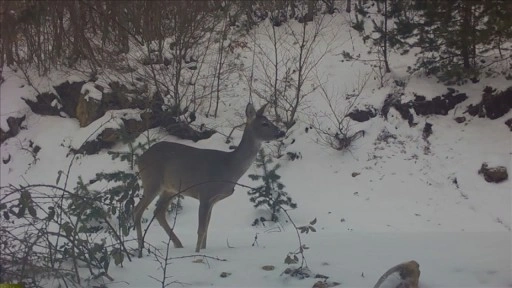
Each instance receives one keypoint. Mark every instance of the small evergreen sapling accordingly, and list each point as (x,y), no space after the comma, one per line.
(270,193)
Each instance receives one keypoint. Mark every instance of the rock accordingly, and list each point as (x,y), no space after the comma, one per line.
(320,284)
(69,94)
(385,136)
(6,160)
(14,124)
(121,97)
(46,104)
(393,101)
(109,137)
(321,276)
(225,274)
(493,105)
(134,127)
(493,174)
(325,284)
(418,98)
(3,136)
(496,105)
(355,174)
(362,115)
(509,123)
(427,130)
(439,105)
(268,267)
(461,119)
(88,110)
(114,100)
(105,140)
(184,131)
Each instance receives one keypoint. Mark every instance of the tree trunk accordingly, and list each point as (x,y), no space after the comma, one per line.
(122,30)
(386,63)
(8,31)
(465,35)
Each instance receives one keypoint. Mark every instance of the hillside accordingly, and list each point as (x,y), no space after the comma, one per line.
(408,188)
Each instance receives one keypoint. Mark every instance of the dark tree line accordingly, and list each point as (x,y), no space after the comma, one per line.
(51,33)
(455,38)
(452,40)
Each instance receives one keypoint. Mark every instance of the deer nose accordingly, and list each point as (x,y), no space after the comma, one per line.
(281,134)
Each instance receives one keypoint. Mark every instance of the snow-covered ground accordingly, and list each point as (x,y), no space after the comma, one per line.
(403,205)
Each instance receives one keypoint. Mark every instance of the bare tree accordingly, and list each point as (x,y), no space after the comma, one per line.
(173,59)
(228,15)
(338,134)
(297,47)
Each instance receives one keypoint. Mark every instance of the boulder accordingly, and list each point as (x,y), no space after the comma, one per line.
(362,115)
(121,97)
(4,135)
(88,110)
(46,104)
(105,140)
(69,94)
(393,101)
(509,124)
(14,124)
(493,104)
(427,130)
(460,119)
(493,174)
(184,131)
(439,105)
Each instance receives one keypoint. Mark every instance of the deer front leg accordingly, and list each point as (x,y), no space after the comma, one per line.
(208,217)
(205,211)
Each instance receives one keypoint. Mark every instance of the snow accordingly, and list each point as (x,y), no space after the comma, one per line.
(91,92)
(403,205)
(75,78)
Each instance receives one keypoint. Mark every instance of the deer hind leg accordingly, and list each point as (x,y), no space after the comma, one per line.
(160,215)
(147,197)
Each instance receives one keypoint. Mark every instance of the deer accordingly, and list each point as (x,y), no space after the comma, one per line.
(168,169)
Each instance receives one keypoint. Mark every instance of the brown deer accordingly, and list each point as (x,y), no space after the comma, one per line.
(168,169)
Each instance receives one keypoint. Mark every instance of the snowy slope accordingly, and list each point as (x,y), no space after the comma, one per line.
(403,205)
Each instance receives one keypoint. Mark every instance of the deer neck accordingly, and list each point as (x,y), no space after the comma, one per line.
(243,156)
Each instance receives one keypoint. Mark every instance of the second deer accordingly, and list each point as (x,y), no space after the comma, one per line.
(168,169)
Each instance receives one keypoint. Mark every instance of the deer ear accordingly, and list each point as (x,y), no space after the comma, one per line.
(261,110)
(250,113)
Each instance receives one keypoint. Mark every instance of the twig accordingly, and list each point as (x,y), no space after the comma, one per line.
(227,243)
(301,250)
(199,255)
(233,130)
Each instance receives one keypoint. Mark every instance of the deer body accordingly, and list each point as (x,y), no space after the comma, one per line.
(168,169)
